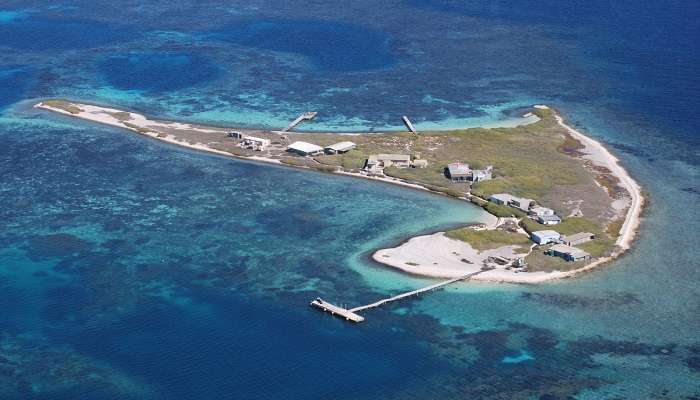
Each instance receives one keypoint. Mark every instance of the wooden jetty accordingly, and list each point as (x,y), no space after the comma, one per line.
(351,314)
(335,310)
(408,124)
(307,116)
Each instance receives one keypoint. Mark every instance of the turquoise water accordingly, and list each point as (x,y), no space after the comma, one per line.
(134,269)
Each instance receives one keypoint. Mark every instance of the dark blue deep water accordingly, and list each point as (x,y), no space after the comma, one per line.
(130,269)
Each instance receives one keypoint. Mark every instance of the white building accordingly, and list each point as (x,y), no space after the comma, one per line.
(521,203)
(459,172)
(479,175)
(419,163)
(501,198)
(539,211)
(255,143)
(341,147)
(568,253)
(380,161)
(545,237)
(577,238)
(549,219)
(305,149)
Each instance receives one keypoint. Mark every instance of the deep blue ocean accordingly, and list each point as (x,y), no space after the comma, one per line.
(131,269)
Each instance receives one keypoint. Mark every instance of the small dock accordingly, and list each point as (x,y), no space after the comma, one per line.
(408,124)
(307,116)
(351,314)
(335,310)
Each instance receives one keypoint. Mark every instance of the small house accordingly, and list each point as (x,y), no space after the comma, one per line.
(419,163)
(380,161)
(539,211)
(255,143)
(545,237)
(577,238)
(501,198)
(521,203)
(568,253)
(458,172)
(479,175)
(235,134)
(341,147)
(305,149)
(549,219)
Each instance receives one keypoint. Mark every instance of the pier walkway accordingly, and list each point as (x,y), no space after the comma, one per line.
(307,116)
(408,124)
(351,314)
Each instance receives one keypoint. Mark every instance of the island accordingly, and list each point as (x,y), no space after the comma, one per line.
(561,202)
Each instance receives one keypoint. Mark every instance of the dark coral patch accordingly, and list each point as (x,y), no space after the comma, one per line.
(56,245)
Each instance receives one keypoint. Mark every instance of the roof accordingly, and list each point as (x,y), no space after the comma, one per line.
(341,146)
(256,139)
(522,200)
(549,218)
(458,169)
(573,251)
(394,157)
(305,147)
(578,236)
(546,233)
(505,197)
(540,209)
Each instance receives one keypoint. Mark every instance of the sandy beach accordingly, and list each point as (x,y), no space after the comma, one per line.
(431,255)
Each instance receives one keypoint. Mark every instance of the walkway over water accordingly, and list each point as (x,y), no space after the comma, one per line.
(307,116)
(351,314)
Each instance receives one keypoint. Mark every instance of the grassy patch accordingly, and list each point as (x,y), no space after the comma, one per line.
(352,160)
(571,146)
(121,115)
(488,239)
(526,159)
(296,161)
(63,105)
(598,247)
(538,261)
(137,128)
(502,211)
(614,227)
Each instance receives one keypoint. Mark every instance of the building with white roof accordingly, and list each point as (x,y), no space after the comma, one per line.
(255,143)
(340,147)
(479,175)
(568,253)
(380,161)
(545,237)
(459,172)
(305,149)
(501,198)
(577,238)
(549,219)
(539,211)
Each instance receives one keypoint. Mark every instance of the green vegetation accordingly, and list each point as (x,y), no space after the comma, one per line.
(63,105)
(502,211)
(538,261)
(527,159)
(352,160)
(137,128)
(489,239)
(296,161)
(121,115)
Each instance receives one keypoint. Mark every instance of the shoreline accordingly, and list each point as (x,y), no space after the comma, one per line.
(593,152)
